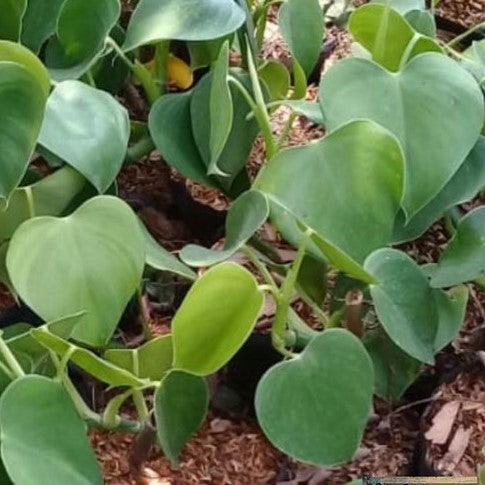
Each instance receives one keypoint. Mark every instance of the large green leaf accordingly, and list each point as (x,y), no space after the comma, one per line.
(215,319)
(394,369)
(245,216)
(388,36)
(169,123)
(22,99)
(433,106)
(49,196)
(403,6)
(155,20)
(82,29)
(346,187)
(180,408)
(404,303)
(100,369)
(88,129)
(11,19)
(464,258)
(234,156)
(39,22)
(91,260)
(463,186)
(149,361)
(315,407)
(302,26)
(43,437)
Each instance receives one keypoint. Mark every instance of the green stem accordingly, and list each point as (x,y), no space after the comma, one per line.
(138,150)
(300,327)
(286,291)
(161,63)
(407,52)
(30,201)
(261,117)
(317,311)
(10,359)
(140,405)
(286,130)
(251,255)
(465,34)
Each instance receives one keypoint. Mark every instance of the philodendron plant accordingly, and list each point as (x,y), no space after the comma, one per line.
(403,147)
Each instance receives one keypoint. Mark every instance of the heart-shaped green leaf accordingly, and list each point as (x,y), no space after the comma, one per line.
(361,160)
(215,319)
(388,36)
(168,122)
(88,129)
(394,369)
(49,196)
(91,260)
(276,77)
(404,302)
(315,407)
(155,20)
(149,361)
(302,26)
(180,408)
(11,19)
(79,39)
(159,258)
(245,216)
(43,437)
(22,98)
(433,106)
(39,22)
(463,186)
(464,258)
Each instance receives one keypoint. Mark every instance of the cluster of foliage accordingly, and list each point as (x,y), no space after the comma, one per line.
(403,147)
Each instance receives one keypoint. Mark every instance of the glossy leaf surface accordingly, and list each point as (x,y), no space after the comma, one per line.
(91,260)
(215,319)
(315,406)
(11,19)
(434,108)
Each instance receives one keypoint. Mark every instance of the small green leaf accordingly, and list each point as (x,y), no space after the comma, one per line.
(159,258)
(169,124)
(361,160)
(388,36)
(302,26)
(215,319)
(404,303)
(276,77)
(87,360)
(91,260)
(330,383)
(394,369)
(149,361)
(463,186)
(35,413)
(88,129)
(39,22)
(422,21)
(221,110)
(180,407)
(11,19)
(433,107)
(464,258)
(190,20)
(80,40)
(245,216)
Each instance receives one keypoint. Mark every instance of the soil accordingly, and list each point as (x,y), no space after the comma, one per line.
(404,438)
